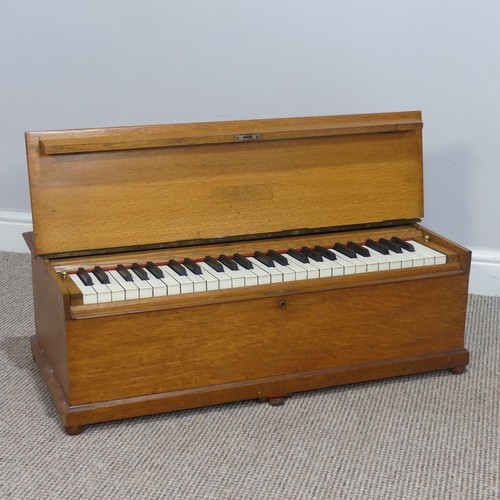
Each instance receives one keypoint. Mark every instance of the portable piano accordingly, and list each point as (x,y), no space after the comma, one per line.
(177,266)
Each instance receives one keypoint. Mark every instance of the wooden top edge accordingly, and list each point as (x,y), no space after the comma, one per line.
(154,136)
(30,241)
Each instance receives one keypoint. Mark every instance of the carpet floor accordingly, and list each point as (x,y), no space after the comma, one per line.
(429,436)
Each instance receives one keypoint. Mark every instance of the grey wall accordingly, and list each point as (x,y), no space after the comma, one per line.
(110,62)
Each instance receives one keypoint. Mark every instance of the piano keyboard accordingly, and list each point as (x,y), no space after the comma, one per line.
(188,276)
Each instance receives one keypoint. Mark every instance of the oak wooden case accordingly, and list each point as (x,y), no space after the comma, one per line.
(134,194)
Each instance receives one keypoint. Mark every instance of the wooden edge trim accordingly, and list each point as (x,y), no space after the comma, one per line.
(464,253)
(258,388)
(69,293)
(143,141)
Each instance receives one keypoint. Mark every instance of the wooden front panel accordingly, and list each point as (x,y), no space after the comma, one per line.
(119,198)
(162,351)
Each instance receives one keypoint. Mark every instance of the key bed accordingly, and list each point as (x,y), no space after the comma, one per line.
(185,276)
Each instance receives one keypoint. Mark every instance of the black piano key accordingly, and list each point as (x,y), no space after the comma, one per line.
(277,257)
(265,259)
(364,252)
(124,273)
(154,270)
(176,267)
(325,252)
(298,256)
(242,261)
(224,259)
(101,275)
(403,244)
(214,264)
(192,266)
(378,248)
(390,245)
(139,271)
(312,254)
(348,252)
(84,276)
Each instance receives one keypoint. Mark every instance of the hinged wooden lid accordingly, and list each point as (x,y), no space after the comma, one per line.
(98,189)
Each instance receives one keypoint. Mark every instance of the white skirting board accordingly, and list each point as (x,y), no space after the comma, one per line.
(484,279)
(12,227)
(485,272)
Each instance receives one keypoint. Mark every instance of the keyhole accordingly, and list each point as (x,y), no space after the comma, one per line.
(283,304)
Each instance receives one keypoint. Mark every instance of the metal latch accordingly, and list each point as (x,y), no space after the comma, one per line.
(247,137)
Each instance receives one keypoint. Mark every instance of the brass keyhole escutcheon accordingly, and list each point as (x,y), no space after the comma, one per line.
(283,304)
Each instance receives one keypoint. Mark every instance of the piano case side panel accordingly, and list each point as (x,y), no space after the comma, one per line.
(313,342)
(51,308)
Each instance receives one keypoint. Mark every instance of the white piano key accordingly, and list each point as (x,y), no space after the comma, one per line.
(336,268)
(276,276)
(224,281)
(372,265)
(103,292)
(89,295)
(403,258)
(263,277)
(312,271)
(428,253)
(117,291)
(394,262)
(382,263)
(187,286)
(429,260)
(173,286)
(158,285)
(130,288)
(199,284)
(250,278)
(346,263)
(324,269)
(287,271)
(145,289)
(211,282)
(237,277)
(359,265)
(416,258)
(299,272)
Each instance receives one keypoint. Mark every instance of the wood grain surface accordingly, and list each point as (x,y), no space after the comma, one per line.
(134,188)
(96,200)
(131,355)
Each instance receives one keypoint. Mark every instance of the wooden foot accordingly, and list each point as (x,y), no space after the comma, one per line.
(276,400)
(74,430)
(458,370)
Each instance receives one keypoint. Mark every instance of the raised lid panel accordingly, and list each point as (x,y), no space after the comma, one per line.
(300,174)
(113,139)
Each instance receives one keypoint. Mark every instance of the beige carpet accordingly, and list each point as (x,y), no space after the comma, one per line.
(432,436)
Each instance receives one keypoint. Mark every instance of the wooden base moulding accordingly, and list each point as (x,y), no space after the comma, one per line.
(75,417)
